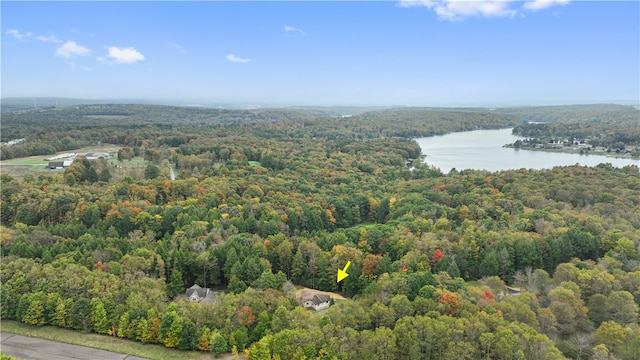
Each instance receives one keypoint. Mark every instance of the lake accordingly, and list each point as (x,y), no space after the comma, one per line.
(482,150)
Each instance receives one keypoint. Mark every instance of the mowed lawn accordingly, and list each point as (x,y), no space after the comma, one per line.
(37,165)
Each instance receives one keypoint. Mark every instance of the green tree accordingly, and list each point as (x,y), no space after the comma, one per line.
(151,171)
(610,334)
(622,308)
(189,336)
(489,265)
(99,316)
(401,306)
(35,312)
(123,326)
(381,343)
(175,286)
(239,338)
(61,315)
(165,323)
(8,303)
(218,342)
(81,314)
(173,337)
(263,326)
(568,310)
(280,320)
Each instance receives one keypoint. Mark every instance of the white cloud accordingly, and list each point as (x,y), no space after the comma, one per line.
(291,29)
(72,49)
(125,55)
(17,34)
(236,59)
(536,5)
(459,9)
(51,38)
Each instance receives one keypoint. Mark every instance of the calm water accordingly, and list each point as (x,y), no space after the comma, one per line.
(482,149)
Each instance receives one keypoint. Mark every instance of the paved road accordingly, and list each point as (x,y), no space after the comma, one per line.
(30,348)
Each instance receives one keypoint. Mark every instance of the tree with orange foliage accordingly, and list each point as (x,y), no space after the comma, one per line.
(245,316)
(449,303)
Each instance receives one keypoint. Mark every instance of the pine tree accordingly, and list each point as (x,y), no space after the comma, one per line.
(297,267)
(176,284)
(188,336)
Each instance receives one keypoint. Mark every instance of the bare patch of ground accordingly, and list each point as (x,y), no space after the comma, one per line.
(304,292)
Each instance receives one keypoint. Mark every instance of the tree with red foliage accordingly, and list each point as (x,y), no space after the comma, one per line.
(436,257)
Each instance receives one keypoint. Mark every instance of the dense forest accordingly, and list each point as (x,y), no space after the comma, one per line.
(519,264)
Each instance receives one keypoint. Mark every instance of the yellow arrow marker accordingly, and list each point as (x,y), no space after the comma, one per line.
(342,273)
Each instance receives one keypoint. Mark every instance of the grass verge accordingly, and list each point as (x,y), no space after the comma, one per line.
(104,342)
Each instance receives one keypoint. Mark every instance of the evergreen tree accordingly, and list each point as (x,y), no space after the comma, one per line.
(81,314)
(175,286)
(189,336)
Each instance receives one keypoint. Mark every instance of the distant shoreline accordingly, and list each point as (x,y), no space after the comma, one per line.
(572,151)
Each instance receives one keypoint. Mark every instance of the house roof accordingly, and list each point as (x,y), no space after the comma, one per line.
(198,290)
(55,164)
(318,299)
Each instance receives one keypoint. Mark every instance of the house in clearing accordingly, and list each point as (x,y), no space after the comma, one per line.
(198,294)
(55,165)
(512,291)
(316,302)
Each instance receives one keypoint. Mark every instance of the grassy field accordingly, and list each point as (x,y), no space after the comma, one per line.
(36,165)
(104,342)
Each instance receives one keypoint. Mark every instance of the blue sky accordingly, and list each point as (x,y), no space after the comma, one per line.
(415,53)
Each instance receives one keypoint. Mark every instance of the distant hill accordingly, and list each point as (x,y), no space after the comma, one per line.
(23,104)
(19,104)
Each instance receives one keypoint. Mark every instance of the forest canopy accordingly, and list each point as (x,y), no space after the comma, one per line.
(518,264)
